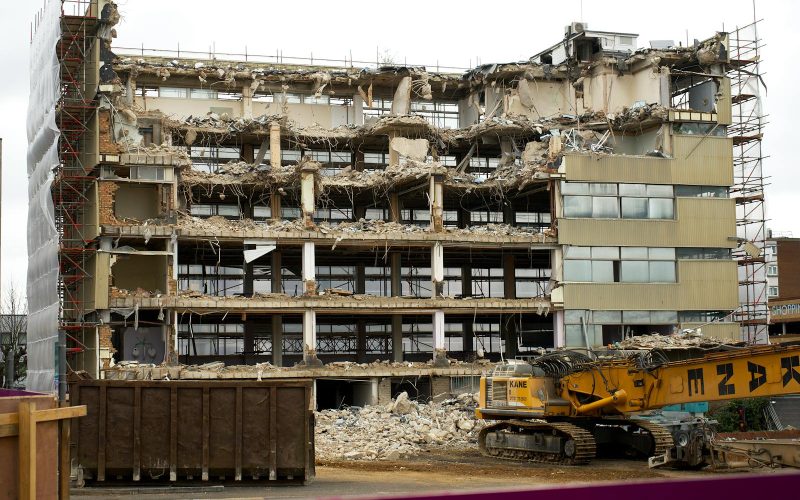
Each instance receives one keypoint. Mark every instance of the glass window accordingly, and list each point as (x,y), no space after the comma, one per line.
(772,291)
(577,206)
(574,188)
(636,317)
(607,317)
(202,94)
(611,253)
(577,270)
(599,189)
(634,271)
(633,190)
(605,208)
(629,253)
(662,272)
(661,208)
(634,208)
(573,316)
(664,317)
(659,190)
(577,252)
(171,92)
(772,270)
(662,253)
(687,191)
(602,271)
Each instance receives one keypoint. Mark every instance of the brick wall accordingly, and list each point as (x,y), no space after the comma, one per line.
(105,191)
(107,144)
(104,335)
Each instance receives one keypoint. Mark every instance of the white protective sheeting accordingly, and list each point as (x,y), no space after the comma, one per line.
(43,301)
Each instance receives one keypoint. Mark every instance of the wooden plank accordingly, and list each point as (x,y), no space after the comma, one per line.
(101,435)
(27,452)
(272,430)
(238,444)
(173,433)
(137,432)
(206,431)
(65,462)
(8,430)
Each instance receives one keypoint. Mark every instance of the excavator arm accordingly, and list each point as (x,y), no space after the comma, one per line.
(628,387)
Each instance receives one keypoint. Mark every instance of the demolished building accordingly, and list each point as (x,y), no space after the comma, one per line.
(261,212)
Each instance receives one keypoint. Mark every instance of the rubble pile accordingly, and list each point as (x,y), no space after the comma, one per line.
(687,338)
(396,430)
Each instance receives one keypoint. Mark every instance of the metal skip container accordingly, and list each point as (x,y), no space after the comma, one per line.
(168,431)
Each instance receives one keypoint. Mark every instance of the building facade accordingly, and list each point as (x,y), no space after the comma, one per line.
(263,211)
(782,258)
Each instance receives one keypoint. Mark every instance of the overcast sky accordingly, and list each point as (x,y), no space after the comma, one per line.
(418,32)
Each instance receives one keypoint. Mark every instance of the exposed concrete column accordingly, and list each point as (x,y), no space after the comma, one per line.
(249,338)
(359,212)
(358,110)
(358,160)
(395,208)
(436,196)
(277,340)
(401,104)
(275,145)
(394,155)
(247,102)
(248,153)
(361,340)
(310,337)
(437,270)
(467,328)
(307,173)
(275,206)
(360,280)
(309,268)
(397,338)
(560,336)
(395,271)
(509,277)
(508,325)
(439,351)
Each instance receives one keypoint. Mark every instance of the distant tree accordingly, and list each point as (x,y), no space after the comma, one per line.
(13,335)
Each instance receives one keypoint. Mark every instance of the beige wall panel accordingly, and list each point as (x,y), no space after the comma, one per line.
(697,161)
(609,92)
(701,222)
(723,331)
(549,98)
(702,285)
(724,112)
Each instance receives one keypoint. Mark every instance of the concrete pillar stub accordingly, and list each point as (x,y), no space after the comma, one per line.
(308,172)
(310,338)
(277,340)
(436,196)
(439,351)
(309,268)
(275,145)
(437,269)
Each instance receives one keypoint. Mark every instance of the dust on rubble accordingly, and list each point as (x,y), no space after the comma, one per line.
(396,430)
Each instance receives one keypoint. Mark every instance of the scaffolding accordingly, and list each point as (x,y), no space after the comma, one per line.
(76,110)
(748,181)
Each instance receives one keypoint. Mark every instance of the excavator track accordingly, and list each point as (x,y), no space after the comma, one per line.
(558,442)
(661,436)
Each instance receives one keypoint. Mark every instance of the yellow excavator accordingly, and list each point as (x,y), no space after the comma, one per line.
(569,406)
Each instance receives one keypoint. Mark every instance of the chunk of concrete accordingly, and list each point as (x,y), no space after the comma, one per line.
(414,149)
(401,105)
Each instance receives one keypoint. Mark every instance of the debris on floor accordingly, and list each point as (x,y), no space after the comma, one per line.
(398,429)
